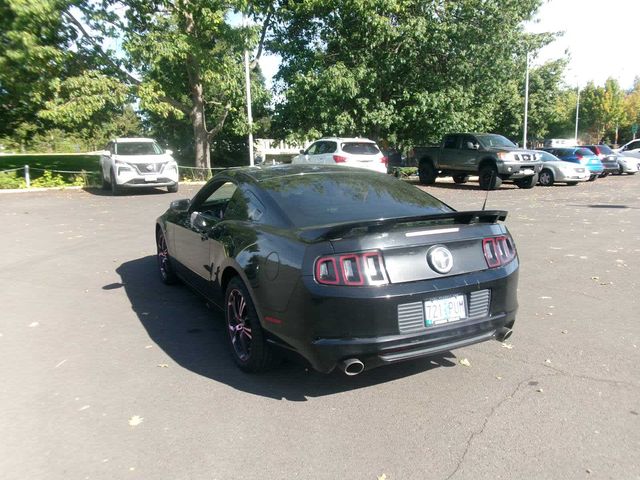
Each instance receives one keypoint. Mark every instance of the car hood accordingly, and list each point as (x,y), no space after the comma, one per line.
(144,158)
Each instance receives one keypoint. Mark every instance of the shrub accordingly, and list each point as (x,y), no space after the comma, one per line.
(48,179)
(11,180)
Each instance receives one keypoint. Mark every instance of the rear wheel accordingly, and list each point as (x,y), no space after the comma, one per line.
(593,177)
(604,174)
(249,349)
(427,173)
(461,178)
(546,178)
(489,179)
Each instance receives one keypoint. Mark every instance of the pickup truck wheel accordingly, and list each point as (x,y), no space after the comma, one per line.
(528,182)
(546,178)
(427,173)
(489,179)
(461,178)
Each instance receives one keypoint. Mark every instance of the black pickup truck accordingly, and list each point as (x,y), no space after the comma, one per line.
(492,157)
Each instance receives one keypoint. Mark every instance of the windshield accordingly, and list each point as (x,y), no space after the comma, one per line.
(360,148)
(138,148)
(327,198)
(547,157)
(585,152)
(493,141)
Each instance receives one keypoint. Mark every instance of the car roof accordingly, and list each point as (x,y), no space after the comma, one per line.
(134,139)
(344,139)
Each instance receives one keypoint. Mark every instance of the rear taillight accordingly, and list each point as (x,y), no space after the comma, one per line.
(351,269)
(385,160)
(339,159)
(498,251)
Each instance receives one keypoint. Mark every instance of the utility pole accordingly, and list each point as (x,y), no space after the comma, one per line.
(247,79)
(577,112)
(526,103)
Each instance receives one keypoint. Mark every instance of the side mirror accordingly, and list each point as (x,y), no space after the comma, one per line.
(301,152)
(168,152)
(180,206)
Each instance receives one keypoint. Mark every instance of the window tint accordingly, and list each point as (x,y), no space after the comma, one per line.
(313,149)
(493,140)
(244,206)
(450,141)
(605,149)
(583,151)
(360,148)
(329,147)
(138,148)
(468,141)
(633,145)
(327,198)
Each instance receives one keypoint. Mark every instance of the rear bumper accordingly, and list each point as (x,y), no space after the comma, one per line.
(328,324)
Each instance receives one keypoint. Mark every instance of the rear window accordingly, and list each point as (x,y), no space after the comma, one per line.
(138,148)
(326,198)
(360,148)
(605,149)
(583,151)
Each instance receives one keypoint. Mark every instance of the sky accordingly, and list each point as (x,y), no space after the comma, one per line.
(601,38)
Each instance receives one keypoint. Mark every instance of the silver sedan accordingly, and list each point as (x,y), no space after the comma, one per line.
(555,170)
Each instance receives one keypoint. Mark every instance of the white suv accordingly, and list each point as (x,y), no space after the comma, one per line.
(137,162)
(350,152)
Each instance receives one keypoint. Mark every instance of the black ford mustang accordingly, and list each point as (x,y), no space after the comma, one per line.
(347,267)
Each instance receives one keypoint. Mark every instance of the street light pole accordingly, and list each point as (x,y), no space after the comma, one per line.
(577,112)
(526,103)
(247,80)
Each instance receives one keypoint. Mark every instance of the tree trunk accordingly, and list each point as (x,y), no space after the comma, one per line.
(200,134)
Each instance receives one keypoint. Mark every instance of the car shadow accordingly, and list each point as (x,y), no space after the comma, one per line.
(99,192)
(193,335)
(459,186)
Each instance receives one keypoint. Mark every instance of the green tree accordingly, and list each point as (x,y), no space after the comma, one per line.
(402,70)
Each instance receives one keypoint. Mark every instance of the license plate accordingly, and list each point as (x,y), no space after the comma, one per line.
(527,171)
(444,310)
(150,178)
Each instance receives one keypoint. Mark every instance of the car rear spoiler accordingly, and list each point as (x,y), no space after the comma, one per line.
(468,217)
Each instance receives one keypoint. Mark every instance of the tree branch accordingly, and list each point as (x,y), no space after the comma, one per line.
(131,79)
(215,130)
(263,34)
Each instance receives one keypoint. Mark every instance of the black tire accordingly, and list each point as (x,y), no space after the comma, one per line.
(247,343)
(489,179)
(461,178)
(604,174)
(529,182)
(620,170)
(173,188)
(115,190)
(427,173)
(572,184)
(167,274)
(631,173)
(592,178)
(546,178)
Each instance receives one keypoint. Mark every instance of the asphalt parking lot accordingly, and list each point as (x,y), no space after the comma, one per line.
(108,374)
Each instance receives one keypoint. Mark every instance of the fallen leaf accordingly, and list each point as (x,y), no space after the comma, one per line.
(507,345)
(34,324)
(548,360)
(464,362)
(595,278)
(163,365)
(540,390)
(565,331)
(498,377)
(135,420)
(382,477)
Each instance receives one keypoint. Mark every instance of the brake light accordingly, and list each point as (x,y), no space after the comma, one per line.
(351,269)
(339,159)
(385,160)
(498,251)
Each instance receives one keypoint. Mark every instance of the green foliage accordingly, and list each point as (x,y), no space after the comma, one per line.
(48,179)
(406,71)
(11,180)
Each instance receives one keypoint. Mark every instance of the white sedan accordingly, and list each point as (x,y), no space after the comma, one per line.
(555,170)
(631,149)
(137,162)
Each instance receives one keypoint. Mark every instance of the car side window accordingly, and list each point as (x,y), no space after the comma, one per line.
(633,146)
(244,205)
(329,147)
(468,141)
(451,141)
(313,149)
(215,204)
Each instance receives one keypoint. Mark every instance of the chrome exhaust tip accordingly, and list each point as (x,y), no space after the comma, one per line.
(351,366)
(503,333)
